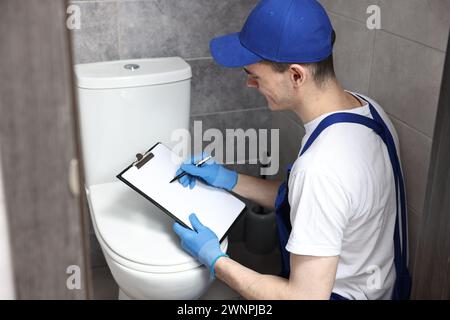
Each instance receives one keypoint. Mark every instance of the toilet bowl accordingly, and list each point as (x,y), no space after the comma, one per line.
(142,252)
(125,107)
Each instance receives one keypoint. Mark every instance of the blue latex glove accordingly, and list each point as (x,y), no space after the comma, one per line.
(202,243)
(212,173)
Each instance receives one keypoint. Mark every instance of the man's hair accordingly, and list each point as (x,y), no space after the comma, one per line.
(321,71)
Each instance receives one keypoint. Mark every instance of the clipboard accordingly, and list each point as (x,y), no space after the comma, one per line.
(150,174)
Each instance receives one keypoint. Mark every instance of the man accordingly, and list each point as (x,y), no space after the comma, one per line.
(337,213)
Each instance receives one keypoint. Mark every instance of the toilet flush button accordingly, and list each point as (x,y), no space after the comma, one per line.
(131,66)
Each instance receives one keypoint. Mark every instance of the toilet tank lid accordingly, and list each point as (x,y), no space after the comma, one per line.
(131,73)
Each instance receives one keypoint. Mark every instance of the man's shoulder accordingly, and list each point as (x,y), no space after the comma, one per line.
(318,161)
(339,145)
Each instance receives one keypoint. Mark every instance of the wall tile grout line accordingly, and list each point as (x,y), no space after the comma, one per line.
(411,127)
(198,58)
(372,61)
(119,44)
(412,40)
(334,13)
(229,111)
(387,31)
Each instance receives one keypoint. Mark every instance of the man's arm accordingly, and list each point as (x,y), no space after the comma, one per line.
(263,192)
(312,278)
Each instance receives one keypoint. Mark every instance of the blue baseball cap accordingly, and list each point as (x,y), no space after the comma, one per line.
(296,31)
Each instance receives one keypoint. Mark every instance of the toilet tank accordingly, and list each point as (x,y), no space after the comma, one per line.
(125,107)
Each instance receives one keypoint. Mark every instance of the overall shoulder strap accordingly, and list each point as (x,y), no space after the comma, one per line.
(343,117)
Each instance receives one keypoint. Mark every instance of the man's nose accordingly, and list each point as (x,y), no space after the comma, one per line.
(252,83)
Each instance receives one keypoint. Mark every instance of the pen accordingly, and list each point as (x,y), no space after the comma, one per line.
(198,164)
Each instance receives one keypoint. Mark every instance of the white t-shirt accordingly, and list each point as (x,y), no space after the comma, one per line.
(342,198)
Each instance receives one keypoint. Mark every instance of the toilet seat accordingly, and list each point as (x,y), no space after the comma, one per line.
(134,232)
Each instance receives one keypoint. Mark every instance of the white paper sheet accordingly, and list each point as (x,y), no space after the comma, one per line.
(215,208)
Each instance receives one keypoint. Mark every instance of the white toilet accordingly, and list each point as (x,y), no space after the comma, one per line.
(125,107)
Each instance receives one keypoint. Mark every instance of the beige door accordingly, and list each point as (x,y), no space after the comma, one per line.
(38,136)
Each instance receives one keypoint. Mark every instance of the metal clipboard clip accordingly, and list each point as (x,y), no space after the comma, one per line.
(142,159)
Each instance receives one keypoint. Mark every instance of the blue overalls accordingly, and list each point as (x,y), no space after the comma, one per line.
(402,286)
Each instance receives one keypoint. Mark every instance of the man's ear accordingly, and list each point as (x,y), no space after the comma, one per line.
(298,74)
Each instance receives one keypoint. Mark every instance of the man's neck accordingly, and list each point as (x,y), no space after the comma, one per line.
(331,98)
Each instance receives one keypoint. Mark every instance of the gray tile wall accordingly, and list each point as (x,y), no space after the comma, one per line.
(401,67)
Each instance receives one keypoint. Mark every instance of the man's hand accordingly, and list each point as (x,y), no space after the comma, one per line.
(212,173)
(202,243)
